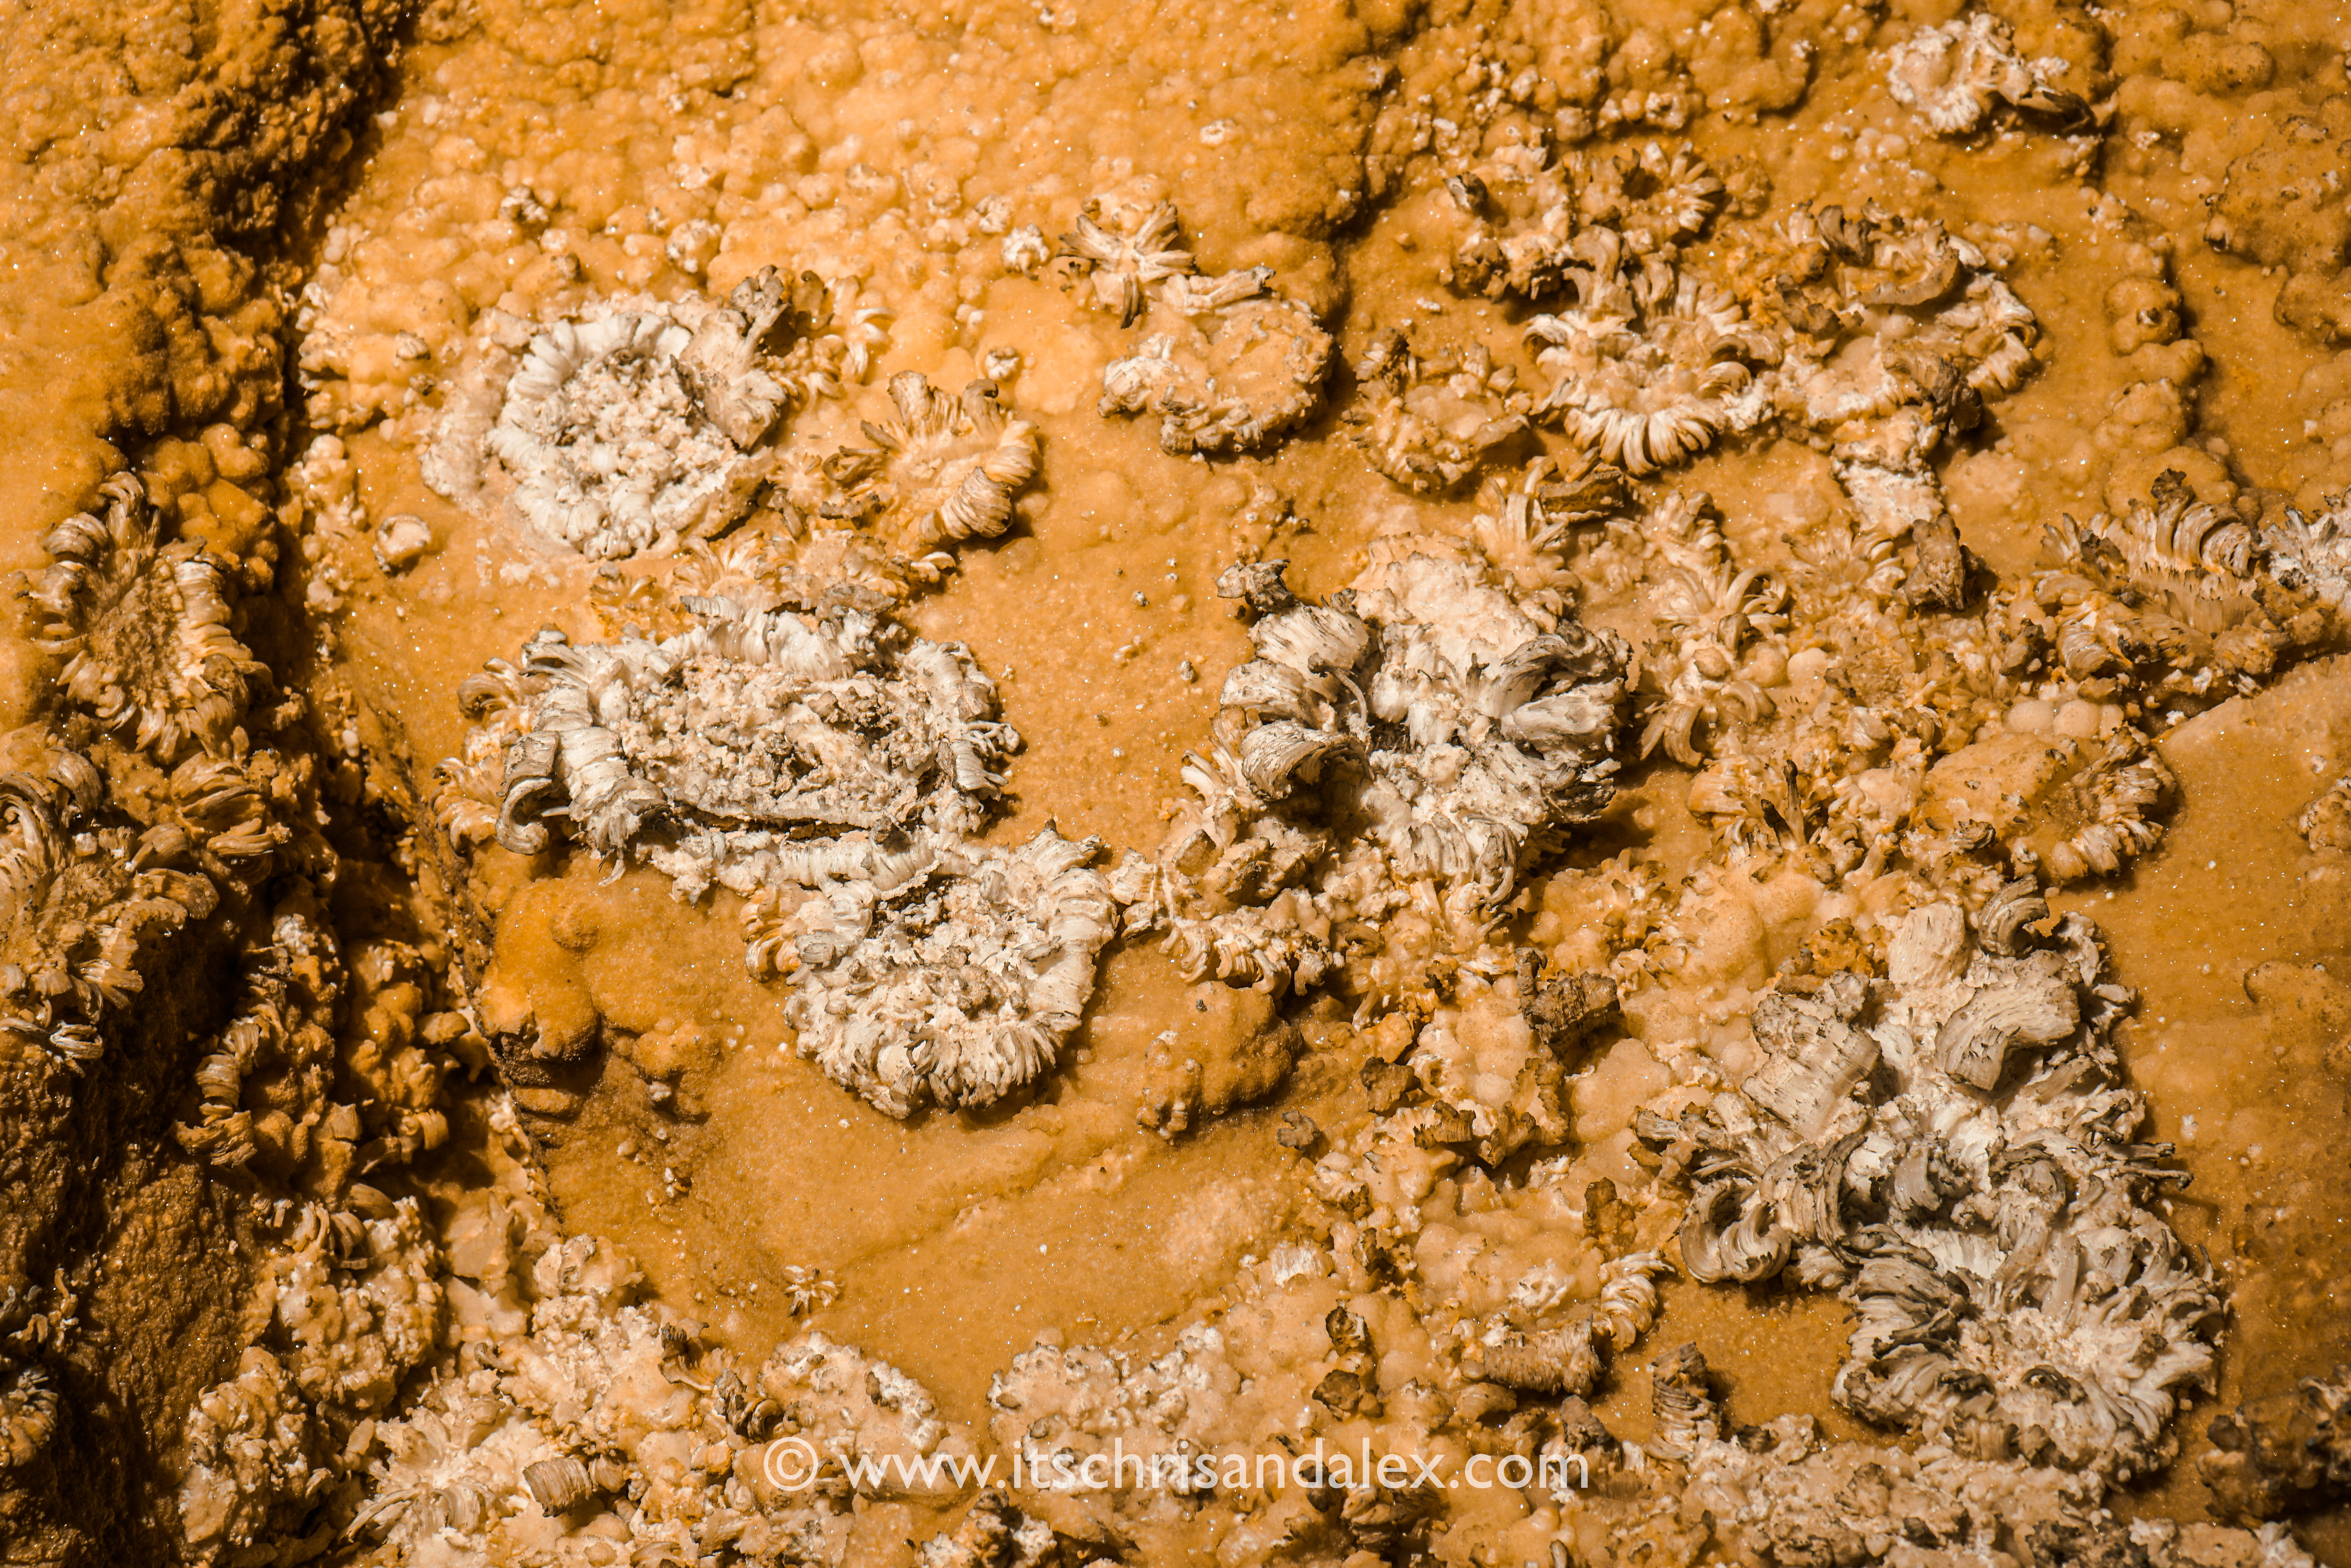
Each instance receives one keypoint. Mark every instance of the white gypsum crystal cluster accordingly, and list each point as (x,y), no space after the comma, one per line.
(948,975)
(833,768)
(2310,553)
(726,741)
(580,1416)
(80,898)
(1954,75)
(1227,364)
(1435,415)
(1542,226)
(634,425)
(1651,366)
(1784,1493)
(1952,1151)
(1894,333)
(1423,709)
(141,624)
(945,470)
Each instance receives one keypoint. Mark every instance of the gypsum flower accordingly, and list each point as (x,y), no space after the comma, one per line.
(28,1416)
(1900,332)
(955,986)
(262,1089)
(627,428)
(943,471)
(1560,227)
(849,1407)
(2102,818)
(80,901)
(1431,708)
(1268,948)
(1837,566)
(1194,294)
(1951,76)
(1898,505)
(2311,554)
(1025,251)
(994,1534)
(749,729)
(1784,1493)
(357,1300)
(1236,380)
(255,1458)
(747,568)
(1653,394)
(2326,822)
(1710,612)
(1525,525)
(1126,250)
(1531,263)
(1810,785)
(2097,635)
(1436,419)
(1950,1150)
(2200,558)
(1502,1060)
(1524,238)
(1755,805)
(1076,1402)
(2065,808)
(843,336)
(609,1426)
(229,814)
(143,627)
(1654,198)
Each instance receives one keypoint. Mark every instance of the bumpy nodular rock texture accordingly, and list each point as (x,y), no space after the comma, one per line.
(1424,708)
(2292,1451)
(1952,1150)
(581,1414)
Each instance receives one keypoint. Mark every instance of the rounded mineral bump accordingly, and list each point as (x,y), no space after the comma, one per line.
(2032,716)
(2077,719)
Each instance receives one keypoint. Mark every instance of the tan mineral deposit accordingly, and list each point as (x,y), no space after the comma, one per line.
(1210,784)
